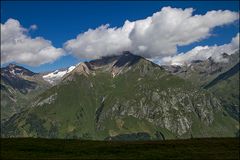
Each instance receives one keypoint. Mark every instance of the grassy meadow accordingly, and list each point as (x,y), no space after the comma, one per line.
(37,148)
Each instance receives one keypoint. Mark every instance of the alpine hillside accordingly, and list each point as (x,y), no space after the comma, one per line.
(123,97)
(220,78)
(18,87)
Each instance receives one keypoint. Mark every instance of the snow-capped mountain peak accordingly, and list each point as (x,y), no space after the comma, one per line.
(56,76)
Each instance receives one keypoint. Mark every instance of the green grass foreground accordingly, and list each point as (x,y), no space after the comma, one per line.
(30,148)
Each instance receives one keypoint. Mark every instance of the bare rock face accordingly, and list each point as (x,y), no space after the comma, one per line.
(219,77)
(16,77)
(172,109)
(111,64)
(47,100)
(82,68)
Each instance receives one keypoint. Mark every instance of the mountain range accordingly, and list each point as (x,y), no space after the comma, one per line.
(123,97)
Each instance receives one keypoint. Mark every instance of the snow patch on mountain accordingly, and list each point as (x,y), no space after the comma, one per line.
(55,76)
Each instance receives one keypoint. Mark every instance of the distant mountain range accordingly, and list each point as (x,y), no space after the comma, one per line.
(18,87)
(124,97)
(221,78)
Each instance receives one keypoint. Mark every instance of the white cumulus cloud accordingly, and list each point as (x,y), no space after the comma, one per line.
(18,46)
(102,41)
(156,36)
(202,53)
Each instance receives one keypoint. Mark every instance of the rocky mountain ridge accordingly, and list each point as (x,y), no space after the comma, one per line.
(122,95)
(18,86)
(204,71)
(220,78)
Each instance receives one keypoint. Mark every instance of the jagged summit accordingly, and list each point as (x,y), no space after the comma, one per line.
(120,60)
(13,69)
(114,64)
(127,58)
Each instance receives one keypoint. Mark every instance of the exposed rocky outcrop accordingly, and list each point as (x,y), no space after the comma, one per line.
(122,97)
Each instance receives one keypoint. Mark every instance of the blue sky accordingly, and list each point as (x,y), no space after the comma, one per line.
(61,21)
